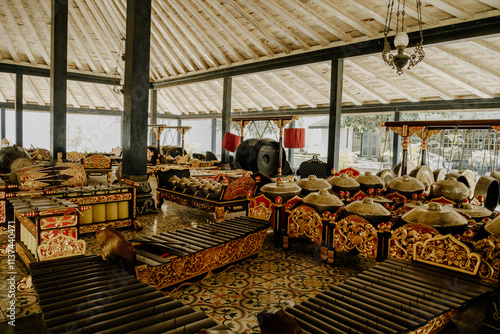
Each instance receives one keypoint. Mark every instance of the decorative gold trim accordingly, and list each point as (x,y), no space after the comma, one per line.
(355,232)
(184,268)
(446,251)
(304,220)
(60,246)
(100,198)
(403,239)
(435,324)
(489,251)
(88,228)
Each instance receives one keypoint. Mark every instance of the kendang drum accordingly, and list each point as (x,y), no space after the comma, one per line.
(59,174)
(12,157)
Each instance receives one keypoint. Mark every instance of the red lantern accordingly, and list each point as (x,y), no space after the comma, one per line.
(295,138)
(230,142)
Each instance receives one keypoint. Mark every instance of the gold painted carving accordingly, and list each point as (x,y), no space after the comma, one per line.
(57,221)
(355,232)
(260,211)
(100,199)
(96,227)
(97,161)
(183,268)
(304,220)
(436,324)
(403,239)
(446,251)
(489,251)
(60,246)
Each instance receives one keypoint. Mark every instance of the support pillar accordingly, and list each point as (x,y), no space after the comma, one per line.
(136,90)
(214,135)
(2,126)
(58,77)
(290,150)
(337,69)
(396,141)
(153,105)
(179,135)
(226,114)
(19,109)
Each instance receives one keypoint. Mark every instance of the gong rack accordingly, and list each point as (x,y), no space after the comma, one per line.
(280,121)
(158,129)
(427,129)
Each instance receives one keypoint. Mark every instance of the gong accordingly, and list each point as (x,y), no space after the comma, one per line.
(242,154)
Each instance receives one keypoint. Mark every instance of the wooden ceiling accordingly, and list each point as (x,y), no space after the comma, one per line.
(192,37)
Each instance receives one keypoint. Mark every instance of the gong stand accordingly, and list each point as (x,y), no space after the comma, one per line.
(426,129)
(280,121)
(158,129)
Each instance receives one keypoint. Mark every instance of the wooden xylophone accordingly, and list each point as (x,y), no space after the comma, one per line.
(176,256)
(85,294)
(394,296)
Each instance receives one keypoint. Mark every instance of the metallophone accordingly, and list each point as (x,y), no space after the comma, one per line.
(171,258)
(85,294)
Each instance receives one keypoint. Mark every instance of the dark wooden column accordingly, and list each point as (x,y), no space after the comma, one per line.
(136,90)
(335,113)
(179,135)
(289,153)
(396,141)
(58,77)
(2,126)
(214,135)
(153,106)
(19,109)
(226,114)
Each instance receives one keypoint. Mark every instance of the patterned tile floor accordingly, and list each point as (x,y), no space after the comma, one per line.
(275,279)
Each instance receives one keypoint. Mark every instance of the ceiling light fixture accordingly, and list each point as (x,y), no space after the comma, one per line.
(401,40)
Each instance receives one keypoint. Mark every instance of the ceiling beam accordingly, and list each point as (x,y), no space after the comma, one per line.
(440,35)
(379,108)
(90,111)
(45,72)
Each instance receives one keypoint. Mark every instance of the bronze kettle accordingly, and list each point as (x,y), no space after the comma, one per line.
(374,212)
(443,218)
(313,184)
(323,201)
(450,188)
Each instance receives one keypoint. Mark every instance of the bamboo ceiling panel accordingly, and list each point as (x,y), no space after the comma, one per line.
(195,36)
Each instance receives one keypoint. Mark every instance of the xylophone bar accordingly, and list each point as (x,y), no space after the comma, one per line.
(84,294)
(394,296)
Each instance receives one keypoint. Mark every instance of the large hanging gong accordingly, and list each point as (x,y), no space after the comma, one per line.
(243,153)
(265,156)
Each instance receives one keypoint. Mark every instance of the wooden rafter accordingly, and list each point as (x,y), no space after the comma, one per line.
(385,81)
(238,90)
(197,51)
(453,8)
(264,82)
(255,90)
(5,8)
(227,30)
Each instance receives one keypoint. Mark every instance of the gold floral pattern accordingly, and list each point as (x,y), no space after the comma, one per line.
(304,220)
(489,251)
(355,232)
(446,251)
(403,239)
(60,246)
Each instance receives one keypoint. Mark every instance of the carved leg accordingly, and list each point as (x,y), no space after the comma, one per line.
(109,177)
(285,242)
(331,257)
(219,213)
(323,253)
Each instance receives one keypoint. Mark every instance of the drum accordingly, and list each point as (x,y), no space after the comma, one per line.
(60,174)
(13,157)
